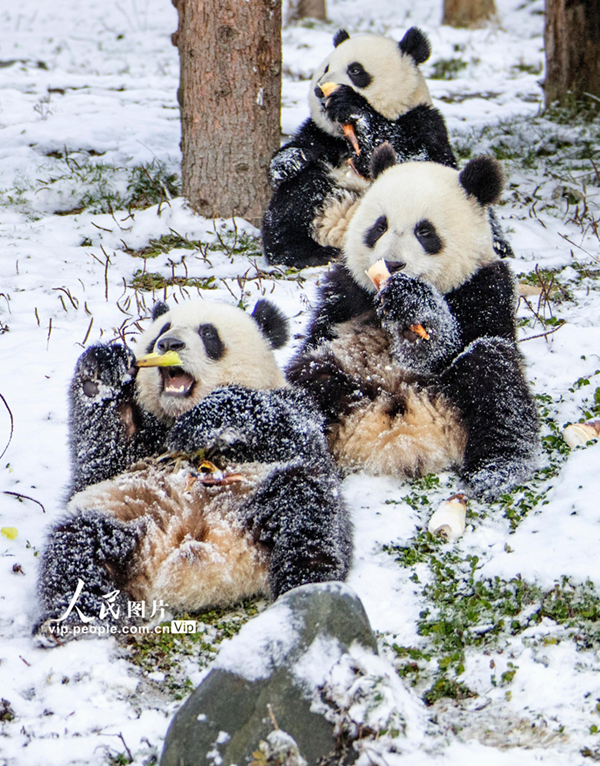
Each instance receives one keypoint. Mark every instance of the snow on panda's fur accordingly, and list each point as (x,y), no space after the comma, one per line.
(150,527)
(397,403)
(383,95)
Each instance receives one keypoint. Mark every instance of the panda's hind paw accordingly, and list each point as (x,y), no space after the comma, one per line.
(498,478)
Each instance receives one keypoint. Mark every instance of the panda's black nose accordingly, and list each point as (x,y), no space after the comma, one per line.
(393,266)
(318,92)
(169,344)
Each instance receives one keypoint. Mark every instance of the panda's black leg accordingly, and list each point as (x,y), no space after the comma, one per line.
(299,515)
(487,385)
(86,559)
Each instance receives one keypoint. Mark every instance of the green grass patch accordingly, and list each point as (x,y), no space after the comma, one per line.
(74,182)
(149,281)
(164,652)
(464,612)
(447,69)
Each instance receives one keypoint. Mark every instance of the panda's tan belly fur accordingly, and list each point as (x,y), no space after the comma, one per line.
(193,551)
(407,430)
(426,437)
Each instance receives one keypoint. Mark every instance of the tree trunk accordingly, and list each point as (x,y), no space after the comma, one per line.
(230,99)
(468,13)
(572,40)
(305,9)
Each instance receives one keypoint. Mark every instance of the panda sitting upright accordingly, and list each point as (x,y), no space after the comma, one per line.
(368,91)
(245,502)
(425,374)
(382,94)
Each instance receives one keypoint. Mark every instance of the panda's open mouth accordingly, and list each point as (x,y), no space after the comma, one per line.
(176,382)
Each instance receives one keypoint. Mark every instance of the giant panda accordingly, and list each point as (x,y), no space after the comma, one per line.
(383,96)
(424,375)
(193,485)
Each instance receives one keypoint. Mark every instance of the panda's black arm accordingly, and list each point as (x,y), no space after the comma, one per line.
(316,371)
(287,223)
(420,134)
(310,146)
(340,298)
(107,430)
(248,425)
(404,303)
(486,304)
(299,174)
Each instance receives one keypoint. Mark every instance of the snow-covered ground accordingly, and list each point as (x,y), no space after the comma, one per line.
(88,94)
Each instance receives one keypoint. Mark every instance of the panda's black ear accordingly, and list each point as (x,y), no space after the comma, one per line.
(383,157)
(483,178)
(273,324)
(159,309)
(339,37)
(415,44)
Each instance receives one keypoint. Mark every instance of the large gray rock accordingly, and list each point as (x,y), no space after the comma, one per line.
(268,676)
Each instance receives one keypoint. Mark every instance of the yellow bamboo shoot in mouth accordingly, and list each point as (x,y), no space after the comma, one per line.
(378,273)
(328,88)
(168,359)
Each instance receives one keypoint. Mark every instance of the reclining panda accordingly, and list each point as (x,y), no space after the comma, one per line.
(423,375)
(245,503)
(369,90)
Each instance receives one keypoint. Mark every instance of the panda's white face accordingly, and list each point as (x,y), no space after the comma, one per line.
(419,219)
(218,345)
(377,69)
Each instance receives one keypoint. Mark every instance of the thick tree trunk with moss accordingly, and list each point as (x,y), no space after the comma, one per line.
(230,99)
(468,13)
(305,9)
(572,43)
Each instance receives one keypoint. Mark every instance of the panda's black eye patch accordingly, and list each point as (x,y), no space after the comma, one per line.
(377,230)
(213,344)
(150,347)
(430,240)
(359,76)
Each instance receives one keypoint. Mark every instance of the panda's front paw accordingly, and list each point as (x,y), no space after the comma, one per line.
(217,424)
(345,106)
(424,332)
(102,370)
(407,300)
(200,430)
(287,164)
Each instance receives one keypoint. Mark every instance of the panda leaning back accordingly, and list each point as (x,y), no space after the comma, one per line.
(193,485)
